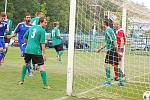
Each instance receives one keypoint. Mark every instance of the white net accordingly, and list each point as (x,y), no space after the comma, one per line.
(89,71)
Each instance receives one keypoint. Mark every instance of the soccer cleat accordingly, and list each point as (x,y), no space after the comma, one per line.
(107,84)
(20,82)
(47,87)
(120,84)
(116,79)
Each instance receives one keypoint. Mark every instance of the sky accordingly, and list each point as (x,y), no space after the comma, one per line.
(145,2)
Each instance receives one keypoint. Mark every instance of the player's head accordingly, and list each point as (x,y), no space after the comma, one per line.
(27,18)
(56,24)
(39,14)
(3,16)
(43,21)
(116,24)
(105,23)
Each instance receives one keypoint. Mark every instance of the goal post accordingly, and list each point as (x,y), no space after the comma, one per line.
(71,46)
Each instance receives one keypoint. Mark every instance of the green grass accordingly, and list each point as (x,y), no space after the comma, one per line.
(88,74)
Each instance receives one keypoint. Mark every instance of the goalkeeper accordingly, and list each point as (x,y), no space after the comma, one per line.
(112,53)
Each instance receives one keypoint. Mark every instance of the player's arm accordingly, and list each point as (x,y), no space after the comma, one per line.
(42,41)
(15,31)
(113,39)
(26,36)
(100,49)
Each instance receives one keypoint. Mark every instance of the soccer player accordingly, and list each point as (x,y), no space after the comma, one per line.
(57,42)
(3,29)
(35,50)
(7,34)
(112,53)
(35,20)
(121,41)
(20,30)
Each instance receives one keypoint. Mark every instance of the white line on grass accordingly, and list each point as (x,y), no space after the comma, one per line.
(65,97)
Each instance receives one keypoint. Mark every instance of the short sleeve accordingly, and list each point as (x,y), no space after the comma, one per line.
(17,29)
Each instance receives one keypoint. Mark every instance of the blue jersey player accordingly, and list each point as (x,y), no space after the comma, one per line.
(21,29)
(3,29)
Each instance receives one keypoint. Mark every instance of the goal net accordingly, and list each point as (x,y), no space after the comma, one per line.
(88,66)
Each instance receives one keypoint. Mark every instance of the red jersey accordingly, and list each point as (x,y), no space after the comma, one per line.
(119,34)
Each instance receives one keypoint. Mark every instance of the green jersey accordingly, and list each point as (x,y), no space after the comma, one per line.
(36,37)
(110,37)
(55,35)
(34,21)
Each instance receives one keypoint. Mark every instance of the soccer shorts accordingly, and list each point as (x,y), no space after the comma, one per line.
(111,57)
(58,47)
(36,59)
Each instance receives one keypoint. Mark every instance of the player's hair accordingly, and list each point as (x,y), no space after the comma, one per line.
(38,13)
(106,22)
(41,20)
(27,14)
(3,14)
(56,23)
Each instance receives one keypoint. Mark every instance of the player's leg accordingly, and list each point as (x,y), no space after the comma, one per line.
(2,49)
(116,63)
(38,59)
(27,59)
(60,52)
(107,68)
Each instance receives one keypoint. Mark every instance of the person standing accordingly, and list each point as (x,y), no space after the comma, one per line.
(21,29)
(57,42)
(3,29)
(121,41)
(112,53)
(35,50)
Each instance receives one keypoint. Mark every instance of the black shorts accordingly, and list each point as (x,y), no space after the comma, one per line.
(112,57)
(58,47)
(36,59)
(6,40)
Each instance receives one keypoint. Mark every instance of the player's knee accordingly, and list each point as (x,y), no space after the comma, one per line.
(41,68)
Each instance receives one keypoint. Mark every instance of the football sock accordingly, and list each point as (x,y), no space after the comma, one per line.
(1,55)
(44,78)
(24,69)
(108,74)
(60,53)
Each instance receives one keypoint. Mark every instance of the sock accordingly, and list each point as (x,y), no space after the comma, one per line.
(108,74)
(29,69)
(1,55)
(5,52)
(44,78)
(120,74)
(24,69)
(60,54)
(115,71)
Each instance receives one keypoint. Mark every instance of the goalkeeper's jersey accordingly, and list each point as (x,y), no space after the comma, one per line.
(36,37)
(55,35)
